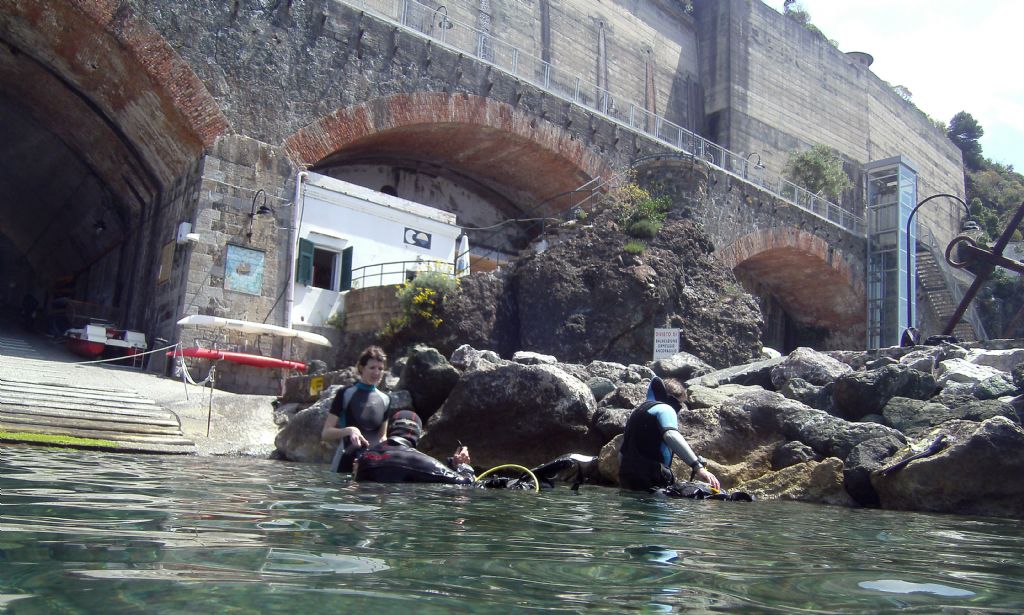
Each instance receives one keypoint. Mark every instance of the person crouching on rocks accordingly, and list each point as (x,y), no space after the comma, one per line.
(358,415)
(652,437)
(396,460)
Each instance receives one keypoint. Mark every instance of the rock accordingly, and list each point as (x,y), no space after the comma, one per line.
(1002,360)
(950,351)
(284,413)
(700,396)
(525,414)
(770,353)
(757,373)
(905,415)
(299,439)
(611,422)
(467,358)
(579,300)
(860,393)
(959,370)
(616,372)
(626,396)
(865,458)
(681,366)
(977,474)
(428,377)
(644,372)
(880,362)
(994,387)
(400,400)
(316,367)
(924,360)
(811,481)
(600,387)
(819,397)
(791,453)
(608,461)
(809,365)
(1018,376)
(533,358)
(481,313)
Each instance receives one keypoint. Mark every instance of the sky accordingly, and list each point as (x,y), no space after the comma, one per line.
(952,55)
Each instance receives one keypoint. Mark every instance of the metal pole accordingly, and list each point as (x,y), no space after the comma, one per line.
(910,274)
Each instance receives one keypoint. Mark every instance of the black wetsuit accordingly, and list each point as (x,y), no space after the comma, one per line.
(642,464)
(367,409)
(395,460)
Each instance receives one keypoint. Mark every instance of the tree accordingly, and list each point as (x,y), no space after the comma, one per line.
(964,131)
(818,170)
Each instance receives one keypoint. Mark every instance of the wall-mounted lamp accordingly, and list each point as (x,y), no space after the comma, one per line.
(444,23)
(263,210)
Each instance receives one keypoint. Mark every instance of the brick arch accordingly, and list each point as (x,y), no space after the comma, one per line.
(497,143)
(816,283)
(108,61)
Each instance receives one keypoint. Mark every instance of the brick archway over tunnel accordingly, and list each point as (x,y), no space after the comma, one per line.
(522,157)
(819,288)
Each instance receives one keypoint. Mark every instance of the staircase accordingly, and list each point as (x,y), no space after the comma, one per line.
(932,284)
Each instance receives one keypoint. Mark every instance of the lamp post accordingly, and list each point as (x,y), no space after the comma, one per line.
(262,211)
(910,272)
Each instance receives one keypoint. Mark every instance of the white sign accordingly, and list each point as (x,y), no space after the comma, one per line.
(666,343)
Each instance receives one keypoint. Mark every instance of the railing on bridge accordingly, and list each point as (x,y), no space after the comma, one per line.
(435,24)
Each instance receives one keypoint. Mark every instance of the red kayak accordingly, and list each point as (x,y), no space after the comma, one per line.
(242,358)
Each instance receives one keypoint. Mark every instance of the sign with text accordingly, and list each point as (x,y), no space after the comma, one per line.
(666,343)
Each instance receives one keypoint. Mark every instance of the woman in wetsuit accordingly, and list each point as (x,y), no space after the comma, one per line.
(359,413)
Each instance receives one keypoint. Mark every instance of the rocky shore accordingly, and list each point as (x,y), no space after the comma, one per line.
(811,426)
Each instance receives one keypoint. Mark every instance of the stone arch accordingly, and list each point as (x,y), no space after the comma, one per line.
(104,118)
(525,157)
(816,284)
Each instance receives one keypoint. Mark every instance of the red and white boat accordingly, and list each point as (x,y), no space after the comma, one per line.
(93,340)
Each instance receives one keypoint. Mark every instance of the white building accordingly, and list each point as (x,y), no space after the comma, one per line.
(351,237)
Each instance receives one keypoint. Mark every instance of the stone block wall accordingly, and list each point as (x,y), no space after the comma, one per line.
(774,86)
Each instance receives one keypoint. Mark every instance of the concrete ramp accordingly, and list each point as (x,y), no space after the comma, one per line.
(40,395)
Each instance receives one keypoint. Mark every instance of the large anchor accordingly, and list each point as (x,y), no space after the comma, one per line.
(981,262)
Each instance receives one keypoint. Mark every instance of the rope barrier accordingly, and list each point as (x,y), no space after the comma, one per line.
(137,354)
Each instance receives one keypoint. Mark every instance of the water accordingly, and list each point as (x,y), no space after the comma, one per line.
(98,533)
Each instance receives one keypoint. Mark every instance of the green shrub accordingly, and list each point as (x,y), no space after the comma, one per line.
(421,297)
(644,229)
(634,246)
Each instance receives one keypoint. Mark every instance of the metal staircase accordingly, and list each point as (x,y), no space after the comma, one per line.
(937,282)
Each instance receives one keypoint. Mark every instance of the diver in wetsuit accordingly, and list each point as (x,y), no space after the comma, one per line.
(396,460)
(358,415)
(652,437)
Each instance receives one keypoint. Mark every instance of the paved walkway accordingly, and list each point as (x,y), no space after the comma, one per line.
(44,389)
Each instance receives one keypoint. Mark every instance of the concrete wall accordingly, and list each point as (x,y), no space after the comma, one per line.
(773,86)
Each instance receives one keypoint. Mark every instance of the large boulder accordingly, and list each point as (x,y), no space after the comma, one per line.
(976,474)
(299,439)
(428,377)
(857,394)
(757,373)
(1003,360)
(962,371)
(810,481)
(681,366)
(863,460)
(810,366)
(524,414)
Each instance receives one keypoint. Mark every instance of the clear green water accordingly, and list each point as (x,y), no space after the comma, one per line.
(95,533)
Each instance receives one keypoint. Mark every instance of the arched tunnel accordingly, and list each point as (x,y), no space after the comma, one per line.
(92,142)
(810,293)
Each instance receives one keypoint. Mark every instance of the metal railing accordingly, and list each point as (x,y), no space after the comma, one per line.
(927,238)
(435,25)
(396,272)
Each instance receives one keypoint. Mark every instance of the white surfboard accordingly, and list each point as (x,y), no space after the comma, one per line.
(257,328)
